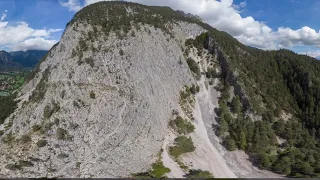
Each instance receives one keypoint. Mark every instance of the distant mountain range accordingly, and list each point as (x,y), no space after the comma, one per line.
(20,59)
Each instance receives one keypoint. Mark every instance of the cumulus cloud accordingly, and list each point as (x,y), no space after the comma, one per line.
(19,36)
(315,54)
(73,5)
(224,15)
(33,44)
(4,15)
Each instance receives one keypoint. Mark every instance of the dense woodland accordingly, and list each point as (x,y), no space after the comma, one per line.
(275,82)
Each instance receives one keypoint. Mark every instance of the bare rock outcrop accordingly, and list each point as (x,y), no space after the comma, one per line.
(98,108)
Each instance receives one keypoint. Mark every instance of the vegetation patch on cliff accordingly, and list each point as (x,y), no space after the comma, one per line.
(158,170)
(187,99)
(182,126)
(183,144)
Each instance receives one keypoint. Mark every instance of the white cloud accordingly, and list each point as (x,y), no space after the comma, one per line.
(224,15)
(315,54)
(4,15)
(240,6)
(73,5)
(20,32)
(19,36)
(33,44)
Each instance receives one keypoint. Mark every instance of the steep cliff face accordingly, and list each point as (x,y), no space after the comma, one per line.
(98,108)
(226,71)
(231,76)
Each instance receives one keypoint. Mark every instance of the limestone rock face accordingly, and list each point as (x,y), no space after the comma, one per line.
(101,112)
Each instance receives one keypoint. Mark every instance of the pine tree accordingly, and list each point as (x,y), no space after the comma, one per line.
(230,144)
(243,141)
(256,140)
(224,127)
(236,104)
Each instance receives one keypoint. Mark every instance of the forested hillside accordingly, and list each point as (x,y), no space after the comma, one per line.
(283,91)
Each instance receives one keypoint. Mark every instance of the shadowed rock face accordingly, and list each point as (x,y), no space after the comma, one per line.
(231,77)
(101,112)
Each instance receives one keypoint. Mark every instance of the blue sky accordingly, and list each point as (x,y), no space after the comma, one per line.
(290,13)
(266,24)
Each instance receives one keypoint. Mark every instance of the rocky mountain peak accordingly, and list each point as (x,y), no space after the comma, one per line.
(100,102)
(144,91)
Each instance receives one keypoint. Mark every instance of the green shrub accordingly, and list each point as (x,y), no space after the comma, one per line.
(194,89)
(8,125)
(23,163)
(36,128)
(62,94)
(73,125)
(230,144)
(142,175)
(181,125)
(185,94)
(73,54)
(121,52)
(182,145)
(90,61)
(211,73)
(79,62)
(158,169)
(199,174)
(92,95)
(133,34)
(63,155)
(8,138)
(45,127)
(48,111)
(41,143)
(193,66)
(13,167)
(25,138)
(61,134)
(56,121)
(182,166)
(76,104)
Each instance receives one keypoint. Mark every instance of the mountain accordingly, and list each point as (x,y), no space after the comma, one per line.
(139,91)
(29,58)
(191,16)
(6,61)
(18,60)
